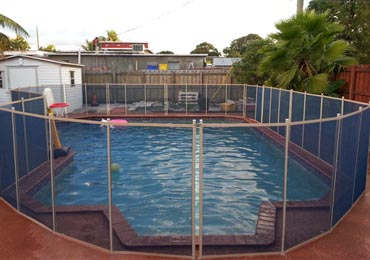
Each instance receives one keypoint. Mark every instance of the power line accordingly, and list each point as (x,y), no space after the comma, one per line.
(157,18)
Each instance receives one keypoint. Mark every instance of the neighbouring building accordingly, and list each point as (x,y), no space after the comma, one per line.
(226,63)
(20,71)
(129,47)
(116,61)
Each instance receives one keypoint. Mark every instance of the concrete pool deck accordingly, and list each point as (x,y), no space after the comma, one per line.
(22,238)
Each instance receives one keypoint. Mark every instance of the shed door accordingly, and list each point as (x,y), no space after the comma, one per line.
(20,77)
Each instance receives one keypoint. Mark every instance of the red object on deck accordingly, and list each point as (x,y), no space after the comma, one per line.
(59,105)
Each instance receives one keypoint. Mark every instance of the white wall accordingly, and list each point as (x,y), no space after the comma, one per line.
(17,74)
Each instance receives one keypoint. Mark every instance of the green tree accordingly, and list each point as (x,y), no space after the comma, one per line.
(112,36)
(7,23)
(89,46)
(18,44)
(238,46)
(206,48)
(165,52)
(49,48)
(354,15)
(246,70)
(306,53)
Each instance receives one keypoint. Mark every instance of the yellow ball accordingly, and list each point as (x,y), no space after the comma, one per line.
(115,167)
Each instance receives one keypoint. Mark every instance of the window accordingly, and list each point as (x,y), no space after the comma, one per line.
(138,47)
(173,65)
(1,80)
(72,77)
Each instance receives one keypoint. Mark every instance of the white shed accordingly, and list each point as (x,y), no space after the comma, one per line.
(20,71)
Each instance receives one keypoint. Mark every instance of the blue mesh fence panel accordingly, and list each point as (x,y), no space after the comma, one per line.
(155,97)
(36,134)
(274,105)
(81,183)
(362,155)
(331,107)
(251,101)
(135,98)
(242,175)
(152,188)
(284,109)
(21,145)
(35,107)
(327,141)
(259,104)
(20,141)
(297,115)
(311,132)
(37,144)
(311,137)
(116,93)
(266,105)
(297,108)
(6,151)
(34,168)
(96,94)
(178,97)
(308,210)
(350,107)
(348,143)
(18,95)
(313,104)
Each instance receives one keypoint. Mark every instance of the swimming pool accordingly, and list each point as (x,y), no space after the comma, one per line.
(152,187)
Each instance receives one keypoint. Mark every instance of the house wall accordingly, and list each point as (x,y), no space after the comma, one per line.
(118,63)
(48,74)
(72,93)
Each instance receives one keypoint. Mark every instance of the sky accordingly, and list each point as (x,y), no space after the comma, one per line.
(174,25)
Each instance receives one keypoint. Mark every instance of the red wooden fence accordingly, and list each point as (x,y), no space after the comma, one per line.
(357,86)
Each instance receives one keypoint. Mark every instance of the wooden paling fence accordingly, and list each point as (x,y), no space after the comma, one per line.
(215,76)
(357,86)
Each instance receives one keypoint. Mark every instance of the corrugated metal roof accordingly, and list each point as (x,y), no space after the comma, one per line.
(224,62)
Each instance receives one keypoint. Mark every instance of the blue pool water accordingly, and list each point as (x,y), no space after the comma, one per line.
(152,186)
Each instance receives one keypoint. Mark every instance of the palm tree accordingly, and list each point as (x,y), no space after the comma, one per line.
(300,6)
(112,36)
(305,53)
(8,23)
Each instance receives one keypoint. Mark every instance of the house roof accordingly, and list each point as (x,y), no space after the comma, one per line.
(120,54)
(224,62)
(62,63)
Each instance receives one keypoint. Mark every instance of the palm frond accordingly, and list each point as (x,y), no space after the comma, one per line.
(317,83)
(336,49)
(8,23)
(287,77)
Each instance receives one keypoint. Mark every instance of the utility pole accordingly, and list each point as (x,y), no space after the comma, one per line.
(300,6)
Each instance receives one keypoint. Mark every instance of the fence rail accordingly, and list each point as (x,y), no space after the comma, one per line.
(328,136)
